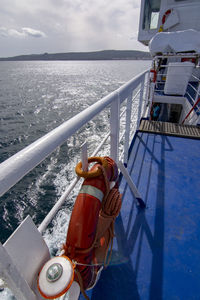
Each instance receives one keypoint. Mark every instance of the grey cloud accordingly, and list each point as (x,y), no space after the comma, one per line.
(32,32)
(67,25)
(3,32)
(24,32)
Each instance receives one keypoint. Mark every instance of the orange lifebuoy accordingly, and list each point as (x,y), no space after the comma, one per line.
(82,229)
(167,13)
(92,173)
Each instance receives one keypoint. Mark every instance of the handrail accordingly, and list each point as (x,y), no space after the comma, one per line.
(188,55)
(193,87)
(191,98)
(64,196)
(57,206)
(195,77)
(17,166)
(66,193)
(193,107)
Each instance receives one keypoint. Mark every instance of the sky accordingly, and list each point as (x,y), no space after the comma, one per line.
(54,26)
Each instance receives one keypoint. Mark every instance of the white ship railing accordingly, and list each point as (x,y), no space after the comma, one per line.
(17,166)
(192,93)
(195,117)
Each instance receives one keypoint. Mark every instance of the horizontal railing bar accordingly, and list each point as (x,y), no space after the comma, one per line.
(191,97)
(197,108)
(122,135)
(178,55)
(131,137)
(121,156)
(192,116)
(160,82)
(101,144)
(193,88)
(64,196)
(195,77)
(136,94)
(180,66)
(123,112)
(57,206)
(193,100)
(132,134)
(17,166)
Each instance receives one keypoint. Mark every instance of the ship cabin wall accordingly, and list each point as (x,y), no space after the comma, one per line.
(184,15)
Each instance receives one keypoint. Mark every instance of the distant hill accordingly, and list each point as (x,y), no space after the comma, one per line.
(98,55)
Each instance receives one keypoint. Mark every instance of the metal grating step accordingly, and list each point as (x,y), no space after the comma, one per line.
(170,129)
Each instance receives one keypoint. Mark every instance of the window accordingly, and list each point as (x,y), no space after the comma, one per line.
(151,14)
(154,20)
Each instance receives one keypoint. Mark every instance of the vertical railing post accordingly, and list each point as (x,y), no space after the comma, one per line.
(114,129)
(140,101)
(196,99)
(84,157)
(147,77)
(146,83)
(151,97)
(128,126)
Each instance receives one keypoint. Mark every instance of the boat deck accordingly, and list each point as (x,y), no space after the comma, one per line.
(170,129)
(156,250)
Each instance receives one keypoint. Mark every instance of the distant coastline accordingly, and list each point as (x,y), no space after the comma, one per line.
(98,55)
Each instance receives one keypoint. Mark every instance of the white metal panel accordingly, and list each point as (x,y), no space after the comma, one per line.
(13,277)
(178,75)
(28,250)
(74,291)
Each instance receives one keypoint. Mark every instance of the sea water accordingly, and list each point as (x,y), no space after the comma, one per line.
(36,97)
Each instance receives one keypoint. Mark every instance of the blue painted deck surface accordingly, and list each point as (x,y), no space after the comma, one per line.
(156,252)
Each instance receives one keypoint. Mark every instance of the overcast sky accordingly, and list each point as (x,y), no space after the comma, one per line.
(38,26)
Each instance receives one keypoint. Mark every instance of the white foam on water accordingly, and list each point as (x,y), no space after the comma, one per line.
(6,294)
(55,237)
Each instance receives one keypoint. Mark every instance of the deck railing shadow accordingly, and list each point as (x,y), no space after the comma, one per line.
(130,237)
